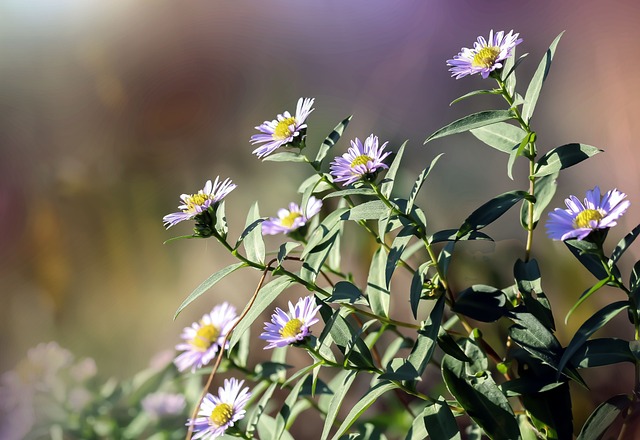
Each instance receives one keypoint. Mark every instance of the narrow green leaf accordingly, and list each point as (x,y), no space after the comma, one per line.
(419,182)
(426,342)
(444,258)
(266,296)
(351,192)
(266,429)
(475,120)
(371,210)
(520,151)
(253,243)
(208,284)
(623,245)
(451,347)
(257,410)
(314,260)
(361,406)
(325,231)
(285,249)
(544,190)
(502,136)
(535,86)
(586,257)
(398,246)
(508,74)
(452,235)
(603,417)
(590,326)
(401,370)
(490,211)
(563,157)
(344,380)
(603,351)
(415,291)
(330,141)
(317,181)
(585,295)
(221,220)
(346,292)
(377,290)
(286,156)
(285,412)
(482,303)
(482,400)
(345,337)
(475,93)
(386,186)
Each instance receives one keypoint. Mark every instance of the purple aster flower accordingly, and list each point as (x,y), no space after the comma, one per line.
(282,130)
(203,339)
(360,161)
(194,204)
(292,327)
(289,220)
(579,220)
(486,55)
(219,413)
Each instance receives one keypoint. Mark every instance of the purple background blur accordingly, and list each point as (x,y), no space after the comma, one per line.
(111,110)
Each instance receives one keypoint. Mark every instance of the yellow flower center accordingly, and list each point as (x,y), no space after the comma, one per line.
(282,130)
(360,160)
(584,219)
(221,414)
(486,57)
(205,337)
(291,329)
(196,200)
(288,220)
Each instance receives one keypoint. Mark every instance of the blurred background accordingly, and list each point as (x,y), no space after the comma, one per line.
(110,110)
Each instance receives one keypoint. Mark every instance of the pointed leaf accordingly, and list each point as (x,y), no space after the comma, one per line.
(482,303)
(266,296)
(490,211)
(346,292)
(623,245)
(590,326)
(351,192)
(585,295)
(475,120)
(422,351)
(344,381)
(564,157)
(253,243)
(415,291)
(371,210)
(286,156)
(398,246)
(544,190)
(389,179)
(208,284)
(535,86)
(330,141)
(377,290)
(475,93)
(418,184)
(529,283)
(603,417)
(603,351)
(439,421)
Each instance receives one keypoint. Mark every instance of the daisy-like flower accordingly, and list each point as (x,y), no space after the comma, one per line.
(194,204)
(289,328)
(360,161)
(486,55)
(204,338)
(291,219)
(219,413)
(282,130)
(579,220)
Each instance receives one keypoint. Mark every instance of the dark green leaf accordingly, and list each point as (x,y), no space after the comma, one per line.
(585,295)
(452,235)
(325,231)
(208,284)
(603,417)
(583,251)
(285,249)
(604,351)
(422,351)
(527,277)
(439,421)
(591,325)
(330,141)
(544,190)
(490,211)
(535,86)
(398,246)
(564,157)
(417,283)
(482,303)
(418,184)
(450,347)
(444,258)
(475,120)
(400,369)
(481,399)
(266,296)
(314,260)
(623,245)
(502,136)
(345,292)
(345,337)
(389,179)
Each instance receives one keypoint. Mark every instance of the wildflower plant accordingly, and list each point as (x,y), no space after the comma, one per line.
(512,385)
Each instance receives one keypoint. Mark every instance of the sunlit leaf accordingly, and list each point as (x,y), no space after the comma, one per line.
(475,120)
(330,141)
(563,157)
(603,417)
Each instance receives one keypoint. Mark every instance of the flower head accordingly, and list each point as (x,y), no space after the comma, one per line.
(486,55)
(194,204)
(360,161)
(289,220)
(579,220)
(204,338)
(289,328)
(282,130)
(219,413)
